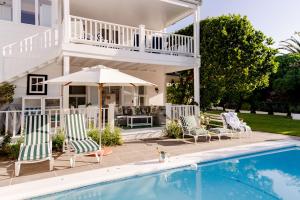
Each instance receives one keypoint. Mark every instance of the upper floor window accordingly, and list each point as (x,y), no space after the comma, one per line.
(36,12)
(28,11)
(6,10)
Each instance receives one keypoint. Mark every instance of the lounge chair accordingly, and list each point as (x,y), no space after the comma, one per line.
(232,122)
(77,139)
(217,126)
(37,146)
(190,127)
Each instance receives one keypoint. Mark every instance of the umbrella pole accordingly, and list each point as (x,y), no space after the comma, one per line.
(100,87)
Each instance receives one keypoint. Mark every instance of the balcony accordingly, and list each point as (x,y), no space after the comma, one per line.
(116,36)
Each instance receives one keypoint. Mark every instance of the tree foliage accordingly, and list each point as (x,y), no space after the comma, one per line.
(286,82)
(291,45)
(236,59)
(7,92)
(181,92)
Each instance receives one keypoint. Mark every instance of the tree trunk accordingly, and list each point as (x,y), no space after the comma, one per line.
(288,111)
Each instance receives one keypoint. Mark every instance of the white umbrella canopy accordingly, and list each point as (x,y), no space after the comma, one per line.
(99,76)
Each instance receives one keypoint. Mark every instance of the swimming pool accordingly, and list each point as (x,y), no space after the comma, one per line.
(269,175)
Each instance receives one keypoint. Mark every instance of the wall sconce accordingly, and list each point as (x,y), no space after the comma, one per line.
(156,90)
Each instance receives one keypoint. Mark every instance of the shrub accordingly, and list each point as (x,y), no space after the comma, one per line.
(58,141)
(94,134)
(109,137)
(173,130)
(11,150)
(7,92)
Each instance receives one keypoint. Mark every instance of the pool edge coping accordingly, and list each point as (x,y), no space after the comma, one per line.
(94,176)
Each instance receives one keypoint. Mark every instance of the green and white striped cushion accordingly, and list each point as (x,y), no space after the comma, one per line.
(35,152)
(75,127)
(83,146)
(36,138)
(36,129)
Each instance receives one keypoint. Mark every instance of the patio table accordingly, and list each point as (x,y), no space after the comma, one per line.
(132,123)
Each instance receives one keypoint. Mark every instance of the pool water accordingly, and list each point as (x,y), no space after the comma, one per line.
(268,176)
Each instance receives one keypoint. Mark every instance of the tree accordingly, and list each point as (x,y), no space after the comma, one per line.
(291,45)
(6,93)
(181,92)
(236,59)
(286,82)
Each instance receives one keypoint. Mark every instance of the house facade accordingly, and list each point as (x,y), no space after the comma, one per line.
(44,39)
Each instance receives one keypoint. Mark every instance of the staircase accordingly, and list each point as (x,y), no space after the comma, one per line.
(29,54)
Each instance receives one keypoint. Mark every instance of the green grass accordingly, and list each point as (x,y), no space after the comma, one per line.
(271,123)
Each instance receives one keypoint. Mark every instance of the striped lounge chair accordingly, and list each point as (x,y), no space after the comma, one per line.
(77,139)
(190,127)
(37,146)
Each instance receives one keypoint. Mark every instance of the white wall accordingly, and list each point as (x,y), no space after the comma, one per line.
(52,70)
(12,32)
(157,78)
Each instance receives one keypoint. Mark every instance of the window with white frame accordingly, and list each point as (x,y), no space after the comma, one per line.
(36,12)
(142,96)
(35,86)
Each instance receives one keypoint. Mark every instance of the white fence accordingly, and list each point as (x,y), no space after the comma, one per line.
(13,121)
(105,34)
(173,112)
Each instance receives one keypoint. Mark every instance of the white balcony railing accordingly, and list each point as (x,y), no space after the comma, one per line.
(169,43)
(104,34)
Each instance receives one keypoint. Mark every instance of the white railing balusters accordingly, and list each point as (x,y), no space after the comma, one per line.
(122,36)
(175,111)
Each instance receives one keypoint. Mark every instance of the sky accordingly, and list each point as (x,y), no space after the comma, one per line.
(278,19)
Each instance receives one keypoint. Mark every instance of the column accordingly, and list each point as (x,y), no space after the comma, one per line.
(197,55)
(54,13)
(142,38)
(36,8)
(16,6)
(66,70)
(111,115)
(66,21)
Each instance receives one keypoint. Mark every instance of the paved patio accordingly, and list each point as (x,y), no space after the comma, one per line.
(129,152)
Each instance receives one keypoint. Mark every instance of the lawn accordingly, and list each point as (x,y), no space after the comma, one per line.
(271,123)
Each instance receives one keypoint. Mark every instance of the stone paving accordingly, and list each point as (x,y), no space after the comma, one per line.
(129,152)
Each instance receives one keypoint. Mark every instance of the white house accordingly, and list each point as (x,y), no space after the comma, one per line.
(44,39)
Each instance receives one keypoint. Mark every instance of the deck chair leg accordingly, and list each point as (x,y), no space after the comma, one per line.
(17,168)
(195,138)
(51,164)
(64,147)
(72,161)
(97,156)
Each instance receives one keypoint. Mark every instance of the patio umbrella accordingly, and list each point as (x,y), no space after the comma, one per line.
(99,76)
